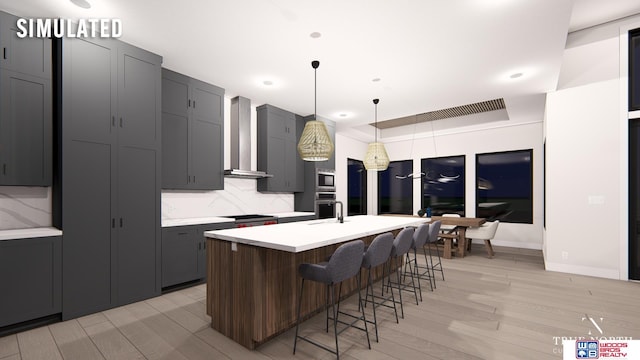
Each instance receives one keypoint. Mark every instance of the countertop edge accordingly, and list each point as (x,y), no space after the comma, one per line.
(29,233)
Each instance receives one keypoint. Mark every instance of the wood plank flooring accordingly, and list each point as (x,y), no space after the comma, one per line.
(507,307)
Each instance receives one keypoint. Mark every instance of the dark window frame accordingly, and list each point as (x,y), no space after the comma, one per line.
(477,191)
(464,188)
(364,189)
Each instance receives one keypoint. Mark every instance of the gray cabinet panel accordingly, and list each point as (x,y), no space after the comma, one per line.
(200,106)
(26,55)
(90,85)
(30,279)
(137,222)
(277,150)
(88,227)
(138,100)
(25,126)
(179,255)
(110,174)
(175,139)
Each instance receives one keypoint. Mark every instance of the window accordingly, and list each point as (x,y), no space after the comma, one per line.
(443,185)
(634,70)
(356,188)
(395,188)
(504,186)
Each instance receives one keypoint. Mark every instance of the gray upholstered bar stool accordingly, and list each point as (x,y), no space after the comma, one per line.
(401,246)
(378,254)
(420,237)
(344,264)
(434,232)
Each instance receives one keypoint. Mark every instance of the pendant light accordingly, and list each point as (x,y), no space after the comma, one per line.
(315,143)
(376,157)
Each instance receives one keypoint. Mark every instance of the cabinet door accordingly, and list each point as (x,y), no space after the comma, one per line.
(138,240)
(25,128)
(206,157)
(180,255)
(29,55)
(139,98)
(175,130)
(88,207)
(30,274)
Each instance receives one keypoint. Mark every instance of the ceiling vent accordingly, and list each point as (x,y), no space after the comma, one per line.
(464,110)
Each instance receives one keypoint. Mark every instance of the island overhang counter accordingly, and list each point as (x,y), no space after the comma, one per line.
(252,279)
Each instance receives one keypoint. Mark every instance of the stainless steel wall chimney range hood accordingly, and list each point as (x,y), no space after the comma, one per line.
(241,141)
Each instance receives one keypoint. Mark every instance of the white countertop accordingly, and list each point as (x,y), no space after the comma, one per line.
(312,234)
(291,214)
(196,221)
(29,233)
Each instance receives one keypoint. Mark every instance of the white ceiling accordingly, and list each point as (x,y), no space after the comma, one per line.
(428,54)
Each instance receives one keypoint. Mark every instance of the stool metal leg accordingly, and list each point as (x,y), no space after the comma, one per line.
(295,342)
(335,322)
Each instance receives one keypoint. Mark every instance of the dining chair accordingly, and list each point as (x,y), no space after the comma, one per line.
(486,232)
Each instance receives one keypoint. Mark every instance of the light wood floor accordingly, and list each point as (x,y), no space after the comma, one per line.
(507,307)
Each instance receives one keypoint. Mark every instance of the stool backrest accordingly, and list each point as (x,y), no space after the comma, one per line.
(346,261)
(434,230)
(378,251)
(402,242)
(420,236)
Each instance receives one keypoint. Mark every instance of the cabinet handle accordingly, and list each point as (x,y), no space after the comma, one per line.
(194,104)
(113,121)
(4,169)
(199,246)
(113,223)
(194,179)
(120,222)
(183,233)
(4,53)
(189,103)
(121,121)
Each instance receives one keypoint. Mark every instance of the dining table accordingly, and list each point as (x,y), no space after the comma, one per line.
(461,224)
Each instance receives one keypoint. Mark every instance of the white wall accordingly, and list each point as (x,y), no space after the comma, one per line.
(586,131)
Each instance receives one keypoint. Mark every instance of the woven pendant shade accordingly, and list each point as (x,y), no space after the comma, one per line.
(376,157)
(315,143)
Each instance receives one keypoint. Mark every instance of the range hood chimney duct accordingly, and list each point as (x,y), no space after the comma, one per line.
(241,141)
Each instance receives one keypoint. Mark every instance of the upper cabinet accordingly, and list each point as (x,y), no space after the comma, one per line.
(25,107)
(277,150)
(192,133)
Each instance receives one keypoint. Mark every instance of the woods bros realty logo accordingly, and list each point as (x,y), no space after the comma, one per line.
(597,345)
(59,28)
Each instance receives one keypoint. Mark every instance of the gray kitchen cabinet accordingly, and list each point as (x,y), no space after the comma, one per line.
(289,219)
(184,257)
(30,279)
(193,133)
(25,107)
(110,189)
(277,150)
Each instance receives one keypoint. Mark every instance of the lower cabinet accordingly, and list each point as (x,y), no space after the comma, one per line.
(184,258)
(30,279)
(284,220)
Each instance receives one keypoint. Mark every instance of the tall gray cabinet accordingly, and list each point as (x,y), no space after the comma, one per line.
(25,107)
(192,133)
(278,134)
(110,174)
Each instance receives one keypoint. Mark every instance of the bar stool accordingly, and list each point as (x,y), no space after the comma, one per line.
(401,246)
(344,264)
(434,232)
(377,254)
(420,238)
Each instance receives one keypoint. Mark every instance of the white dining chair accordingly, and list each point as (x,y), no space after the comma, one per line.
(485,232)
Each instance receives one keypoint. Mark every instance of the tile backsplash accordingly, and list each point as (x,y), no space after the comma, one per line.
(24,207)
(240,196)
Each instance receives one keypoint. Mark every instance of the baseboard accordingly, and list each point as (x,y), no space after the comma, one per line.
(583,270)
(513,244)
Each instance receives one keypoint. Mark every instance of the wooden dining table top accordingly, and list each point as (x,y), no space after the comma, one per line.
(459,221)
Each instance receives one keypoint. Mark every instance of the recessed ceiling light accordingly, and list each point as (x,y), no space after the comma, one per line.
(375,79)
(343,115)
(268,82)
(516,75)
(315,34)
(81,3)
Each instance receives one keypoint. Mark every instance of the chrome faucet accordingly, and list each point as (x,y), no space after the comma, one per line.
(341,214)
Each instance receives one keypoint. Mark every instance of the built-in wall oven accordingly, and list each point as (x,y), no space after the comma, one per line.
(325,205)
(325,180)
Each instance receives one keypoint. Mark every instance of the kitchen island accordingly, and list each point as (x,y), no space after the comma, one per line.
(252,277)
